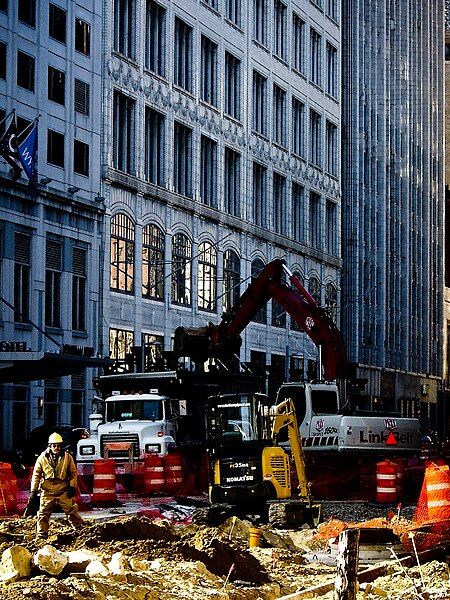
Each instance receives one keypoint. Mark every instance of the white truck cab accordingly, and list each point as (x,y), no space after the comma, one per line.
(134,425)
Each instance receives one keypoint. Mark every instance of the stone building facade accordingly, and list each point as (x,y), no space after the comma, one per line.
(220,152)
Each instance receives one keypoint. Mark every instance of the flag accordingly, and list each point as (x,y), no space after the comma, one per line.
(27,151)
(8,148)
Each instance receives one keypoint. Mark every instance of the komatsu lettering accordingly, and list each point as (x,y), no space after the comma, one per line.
(240,478)
(380,438)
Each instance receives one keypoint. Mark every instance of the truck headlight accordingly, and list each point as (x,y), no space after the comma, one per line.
(153,448)
(87,450)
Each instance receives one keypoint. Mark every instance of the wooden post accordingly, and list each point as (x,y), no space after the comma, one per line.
(347,565)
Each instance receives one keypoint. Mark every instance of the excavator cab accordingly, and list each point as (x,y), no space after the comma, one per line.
(248,472)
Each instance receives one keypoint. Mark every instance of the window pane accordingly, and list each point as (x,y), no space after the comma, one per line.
(57,23)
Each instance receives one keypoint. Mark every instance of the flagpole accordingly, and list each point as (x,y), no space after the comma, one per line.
(29,126)
(7,116)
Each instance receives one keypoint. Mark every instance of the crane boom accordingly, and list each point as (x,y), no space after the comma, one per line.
(223,340)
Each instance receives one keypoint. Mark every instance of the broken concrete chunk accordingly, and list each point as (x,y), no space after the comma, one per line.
(139,565)
(15,564)
(118,564)
(50,560)
(96,569)
(79,560)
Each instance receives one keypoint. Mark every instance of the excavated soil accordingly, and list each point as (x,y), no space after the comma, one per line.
(194,563)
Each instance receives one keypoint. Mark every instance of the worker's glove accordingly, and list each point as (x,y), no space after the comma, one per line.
(72,491)
(33,494)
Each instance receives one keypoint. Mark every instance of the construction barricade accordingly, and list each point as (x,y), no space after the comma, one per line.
(386,482)
(8,490)
(437,482)
(104,488)
(173,469)
(154,476)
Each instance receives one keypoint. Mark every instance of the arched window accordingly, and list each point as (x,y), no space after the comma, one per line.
(299,276)
(181,269)
(331,301)
(257,267)
(231,279)
(314,289)
(122,254)
(153,262)
(207,276)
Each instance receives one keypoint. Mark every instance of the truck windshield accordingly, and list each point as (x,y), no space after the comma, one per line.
(125,410)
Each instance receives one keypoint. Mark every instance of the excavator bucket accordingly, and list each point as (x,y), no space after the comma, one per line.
(293,514)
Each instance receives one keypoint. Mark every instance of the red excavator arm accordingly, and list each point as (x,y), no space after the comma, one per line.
(224,339)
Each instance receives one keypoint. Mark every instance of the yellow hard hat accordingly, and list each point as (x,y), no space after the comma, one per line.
(55,438)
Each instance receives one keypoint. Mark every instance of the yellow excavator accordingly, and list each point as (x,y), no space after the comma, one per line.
(250,474)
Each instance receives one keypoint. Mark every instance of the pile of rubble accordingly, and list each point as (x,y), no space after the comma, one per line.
(143,559)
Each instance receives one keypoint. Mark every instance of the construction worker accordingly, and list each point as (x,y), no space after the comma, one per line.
(55,475)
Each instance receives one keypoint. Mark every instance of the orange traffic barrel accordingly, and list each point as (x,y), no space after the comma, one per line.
(104,487)
(8,490)
(173,469)
(386,482)
(437,481)
(154,479)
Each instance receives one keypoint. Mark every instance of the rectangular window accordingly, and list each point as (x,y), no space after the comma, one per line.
(120,344)
(331,71)
(83,37)
(2,60)
(260,21)
(233,11)
(155,42)
(57,23)
(124,133)
(56,85)
(232,86)
(232,182)
(316,57)
(22,276)
(259,103)
(183,55)
(279,29)
(314,220)
(26,12)
(298,43)
(259,194)
(209,71)
(331,9)
(4,6)
(25,71)
(182,159)
(212,3)
(154,146)
(55,148)
(331,148)
(331,227)
(81,97)
(298,204)
(279,203)
(53,273)
(208,171)
(124,27)
(298,127)
(81,158)
(79,289)
(279,115)
(315,138)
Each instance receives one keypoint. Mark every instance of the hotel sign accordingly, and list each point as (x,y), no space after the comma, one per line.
(14,347)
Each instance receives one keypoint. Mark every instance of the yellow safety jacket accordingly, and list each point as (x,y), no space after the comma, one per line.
(54,475)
